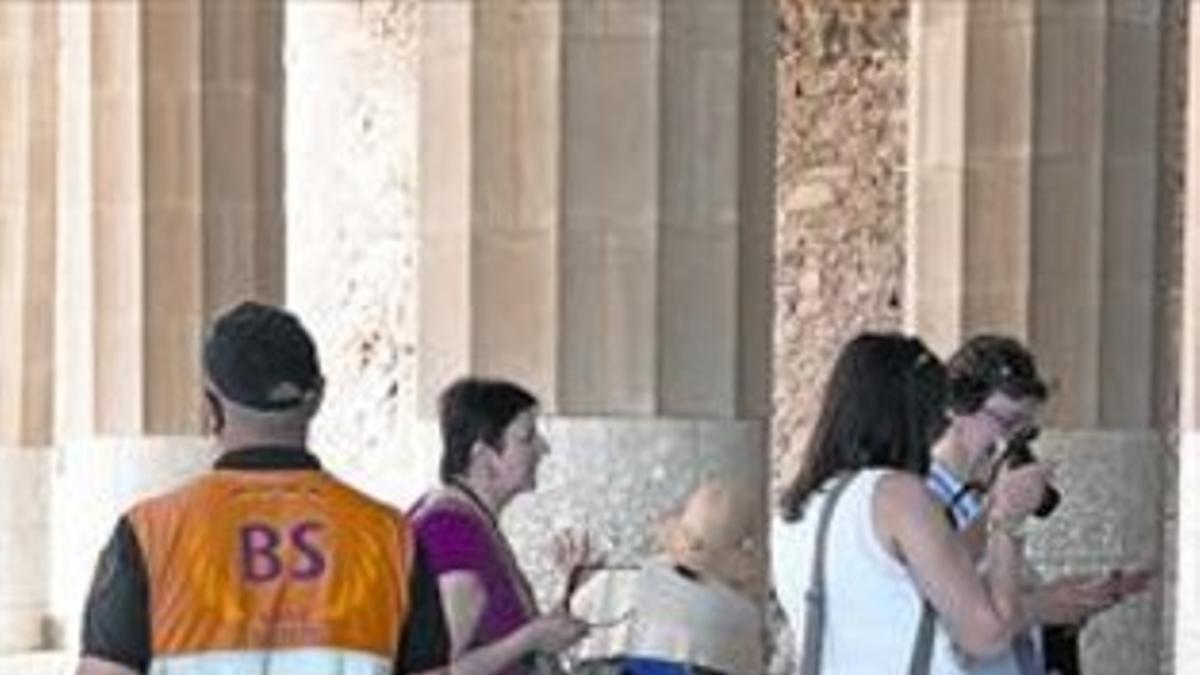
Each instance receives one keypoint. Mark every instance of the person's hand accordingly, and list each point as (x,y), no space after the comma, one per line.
(573,548)
(554,632)
(1073,599)
(575,557)
(1017,492)
(1131,582)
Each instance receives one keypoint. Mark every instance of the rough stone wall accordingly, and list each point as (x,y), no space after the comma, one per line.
(351,209)
(840,235)
(840,220)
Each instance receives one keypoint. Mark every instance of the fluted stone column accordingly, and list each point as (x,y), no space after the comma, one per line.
(1187,598)
(596,222)
(1032,212)
(28,140)
(170,208)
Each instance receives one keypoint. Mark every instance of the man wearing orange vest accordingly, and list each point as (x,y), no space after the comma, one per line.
(267,564)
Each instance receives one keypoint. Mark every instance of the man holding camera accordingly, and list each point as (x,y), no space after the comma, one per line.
(996,393)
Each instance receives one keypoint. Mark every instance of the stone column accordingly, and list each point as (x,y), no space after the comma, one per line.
(171,208)
(596,191)
(1187,598)
(28,141)
(1032,212)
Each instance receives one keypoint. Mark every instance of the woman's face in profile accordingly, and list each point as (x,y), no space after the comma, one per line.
(522,449)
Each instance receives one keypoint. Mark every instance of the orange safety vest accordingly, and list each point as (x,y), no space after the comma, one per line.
(274,571)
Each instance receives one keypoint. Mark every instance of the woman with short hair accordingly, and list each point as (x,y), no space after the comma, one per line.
(491,451)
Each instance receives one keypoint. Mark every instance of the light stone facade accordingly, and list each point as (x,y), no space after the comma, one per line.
(1034,210)
(572,239)
(141,191)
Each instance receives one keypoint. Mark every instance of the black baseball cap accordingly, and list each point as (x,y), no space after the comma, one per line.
(261,357)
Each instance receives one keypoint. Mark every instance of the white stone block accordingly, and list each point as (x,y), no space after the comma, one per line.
(20,629)
(24,484)
(38,663)
(94,481)
(24,546)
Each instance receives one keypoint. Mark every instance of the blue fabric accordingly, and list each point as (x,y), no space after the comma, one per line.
(643,666)
(1026,654)
(945,486)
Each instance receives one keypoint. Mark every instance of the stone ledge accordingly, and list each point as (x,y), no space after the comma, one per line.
(94,480)
(38,663)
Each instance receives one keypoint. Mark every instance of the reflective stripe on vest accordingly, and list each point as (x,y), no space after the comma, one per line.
(273,662)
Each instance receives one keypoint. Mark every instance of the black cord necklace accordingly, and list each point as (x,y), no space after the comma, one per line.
(477,501)
(505,548)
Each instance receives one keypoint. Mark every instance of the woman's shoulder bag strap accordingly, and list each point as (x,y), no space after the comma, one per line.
(814,610)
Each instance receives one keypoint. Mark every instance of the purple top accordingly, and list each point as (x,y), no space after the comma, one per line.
(455,537)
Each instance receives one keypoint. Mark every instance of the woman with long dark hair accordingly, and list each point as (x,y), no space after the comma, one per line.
(858,593)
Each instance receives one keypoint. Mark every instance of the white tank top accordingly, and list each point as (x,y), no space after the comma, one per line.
(872,606)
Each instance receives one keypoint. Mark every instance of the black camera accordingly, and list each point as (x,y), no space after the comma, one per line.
(1019,453)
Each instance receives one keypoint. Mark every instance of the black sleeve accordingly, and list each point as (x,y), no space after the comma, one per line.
(425,642)
(116,620)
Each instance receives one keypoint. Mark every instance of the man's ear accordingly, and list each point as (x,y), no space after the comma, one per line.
(318,392)
(215,417)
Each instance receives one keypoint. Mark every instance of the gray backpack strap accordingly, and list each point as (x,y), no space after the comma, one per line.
(922,656)
(814,608)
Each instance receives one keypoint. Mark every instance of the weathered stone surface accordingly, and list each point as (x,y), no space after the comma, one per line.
(840,225)
(621,479)
(1114,486)
(351,167)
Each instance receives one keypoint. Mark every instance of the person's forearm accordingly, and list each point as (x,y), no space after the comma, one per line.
(491,658)
(1004,561)
(974,536)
